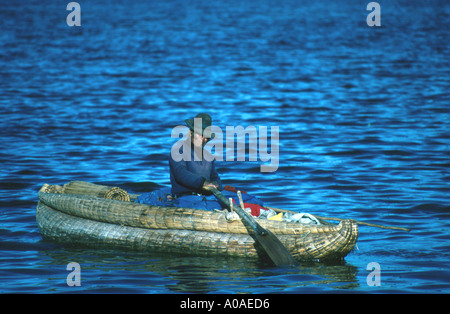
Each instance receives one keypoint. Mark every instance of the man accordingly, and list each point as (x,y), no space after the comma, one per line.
(194,175)
(197,174)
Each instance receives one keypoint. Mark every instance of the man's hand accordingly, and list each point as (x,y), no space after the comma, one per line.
(207,185)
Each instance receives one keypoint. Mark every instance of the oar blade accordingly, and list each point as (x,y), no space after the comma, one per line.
(274,249)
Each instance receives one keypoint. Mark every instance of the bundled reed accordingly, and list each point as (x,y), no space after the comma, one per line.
(78,213)
(58,226)
(157,217)
(87,188)
(61,227)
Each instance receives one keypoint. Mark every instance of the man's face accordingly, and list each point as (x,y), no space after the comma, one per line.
(198,140)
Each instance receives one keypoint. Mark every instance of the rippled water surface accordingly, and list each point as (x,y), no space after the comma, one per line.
(363,115)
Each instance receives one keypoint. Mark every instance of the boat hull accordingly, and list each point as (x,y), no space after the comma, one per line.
(98,222)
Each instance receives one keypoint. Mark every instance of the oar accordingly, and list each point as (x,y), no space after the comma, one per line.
(339,219)
(267,241)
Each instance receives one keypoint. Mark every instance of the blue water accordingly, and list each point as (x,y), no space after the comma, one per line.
(363,114)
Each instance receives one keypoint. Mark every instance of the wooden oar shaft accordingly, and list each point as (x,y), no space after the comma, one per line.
(340,219)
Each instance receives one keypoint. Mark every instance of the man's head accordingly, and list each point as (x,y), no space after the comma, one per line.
(197,126)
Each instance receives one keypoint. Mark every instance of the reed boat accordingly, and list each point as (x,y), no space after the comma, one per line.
(82,213)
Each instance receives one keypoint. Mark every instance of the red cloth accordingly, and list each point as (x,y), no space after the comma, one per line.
(255,208)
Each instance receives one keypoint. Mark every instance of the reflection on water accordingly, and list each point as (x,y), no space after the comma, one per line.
(181,274)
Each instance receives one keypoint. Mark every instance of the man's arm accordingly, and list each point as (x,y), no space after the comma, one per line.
(185,177)
(216,178)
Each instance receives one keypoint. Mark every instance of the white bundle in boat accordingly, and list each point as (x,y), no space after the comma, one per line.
(303,218)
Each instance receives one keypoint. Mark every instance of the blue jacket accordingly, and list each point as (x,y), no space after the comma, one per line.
(189,176)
